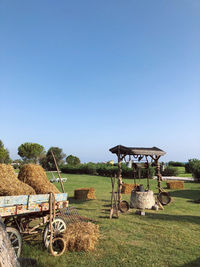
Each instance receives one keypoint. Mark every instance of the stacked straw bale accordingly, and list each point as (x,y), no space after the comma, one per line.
(175,184)
(35,176)
(10,185)
(127,188)
(81,236)
(84,193)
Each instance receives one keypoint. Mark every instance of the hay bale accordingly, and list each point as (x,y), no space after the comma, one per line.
(84,193)
(10,185)
(35,176)
(175,184)
(81,236)
(127,188)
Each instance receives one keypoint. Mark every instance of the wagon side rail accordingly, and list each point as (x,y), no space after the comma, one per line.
(23,204)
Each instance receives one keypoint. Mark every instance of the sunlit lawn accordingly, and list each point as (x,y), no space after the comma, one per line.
(161,238)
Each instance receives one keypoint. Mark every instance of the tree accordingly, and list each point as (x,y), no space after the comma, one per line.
(72,160)
(30,152)
(4,154)
(189,166)
(48,161)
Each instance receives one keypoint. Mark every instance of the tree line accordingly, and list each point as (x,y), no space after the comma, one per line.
(35,153)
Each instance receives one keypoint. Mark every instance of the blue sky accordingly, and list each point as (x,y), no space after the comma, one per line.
(89,75)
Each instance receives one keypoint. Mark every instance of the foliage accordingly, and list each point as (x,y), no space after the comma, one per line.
(48,163)
(104,169)
(196,170)
(190,164)
(30,152)
(4,154)
(170,171)
(17,163)
(176,164)
(72,160)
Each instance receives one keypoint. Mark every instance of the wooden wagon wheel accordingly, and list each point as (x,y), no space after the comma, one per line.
(15,239)
(58,227)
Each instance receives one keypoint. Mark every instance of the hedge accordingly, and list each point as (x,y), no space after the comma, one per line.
(170,171)
(105,170)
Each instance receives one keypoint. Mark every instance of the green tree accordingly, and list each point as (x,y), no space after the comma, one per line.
(48,161)
(72,160)
(189,166)
(4,154)
(30,152)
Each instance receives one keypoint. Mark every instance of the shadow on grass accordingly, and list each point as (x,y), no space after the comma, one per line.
(190,194)
(180,218)
(192,263)
(72,200)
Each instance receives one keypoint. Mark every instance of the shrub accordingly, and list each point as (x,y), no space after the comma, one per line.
(190,164)
(176,164)
(196,170)
(105,170)
(170,171)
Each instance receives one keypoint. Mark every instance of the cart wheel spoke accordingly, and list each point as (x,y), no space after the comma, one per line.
(15,239)
(58,226)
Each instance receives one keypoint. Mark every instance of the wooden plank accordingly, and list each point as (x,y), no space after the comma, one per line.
(9,201)
(24,209)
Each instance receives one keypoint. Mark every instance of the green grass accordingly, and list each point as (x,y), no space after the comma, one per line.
(182,173)
(161,238)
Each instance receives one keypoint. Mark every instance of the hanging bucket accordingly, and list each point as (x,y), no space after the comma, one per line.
(141,188)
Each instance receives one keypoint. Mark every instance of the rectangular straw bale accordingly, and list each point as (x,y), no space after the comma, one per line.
(127,188)
(175,184)
(84,193)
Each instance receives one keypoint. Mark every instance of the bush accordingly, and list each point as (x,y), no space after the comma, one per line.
(105,170)
(189,165)
(196,170)
(170,171)
(176,164)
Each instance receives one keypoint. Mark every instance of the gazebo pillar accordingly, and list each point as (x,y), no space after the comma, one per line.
(158,174)
(119,187)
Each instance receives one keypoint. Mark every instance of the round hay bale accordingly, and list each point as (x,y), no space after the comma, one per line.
(81,236)
(35,176)
(10,185)
(84,193)
(142,200)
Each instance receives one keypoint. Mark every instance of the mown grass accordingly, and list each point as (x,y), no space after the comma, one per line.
(161,238)
(182,173)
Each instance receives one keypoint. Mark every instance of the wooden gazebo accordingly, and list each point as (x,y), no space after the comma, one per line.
(137,153)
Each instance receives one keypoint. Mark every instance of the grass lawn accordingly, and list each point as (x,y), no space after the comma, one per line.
(161,238)
(182,173)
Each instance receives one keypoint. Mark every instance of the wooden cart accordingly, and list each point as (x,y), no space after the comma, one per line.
(18,213)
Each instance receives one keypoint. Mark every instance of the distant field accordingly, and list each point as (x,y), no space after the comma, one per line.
(161,238)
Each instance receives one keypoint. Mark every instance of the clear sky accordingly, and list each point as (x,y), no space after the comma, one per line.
(88,75)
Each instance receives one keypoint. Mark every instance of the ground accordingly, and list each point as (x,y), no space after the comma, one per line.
(161,238)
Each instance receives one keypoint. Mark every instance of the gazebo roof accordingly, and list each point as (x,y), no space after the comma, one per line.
(147,151)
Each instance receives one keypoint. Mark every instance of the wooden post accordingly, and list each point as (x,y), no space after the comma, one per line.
(58,172)
(158,174)
(119,187)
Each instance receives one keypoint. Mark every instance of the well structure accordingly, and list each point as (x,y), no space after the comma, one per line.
(138,154)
